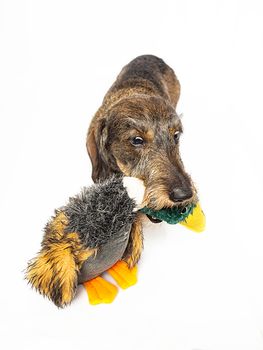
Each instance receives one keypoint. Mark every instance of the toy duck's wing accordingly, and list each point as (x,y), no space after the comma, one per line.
(196,220)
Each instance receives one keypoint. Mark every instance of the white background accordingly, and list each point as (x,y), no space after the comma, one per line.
(57,60)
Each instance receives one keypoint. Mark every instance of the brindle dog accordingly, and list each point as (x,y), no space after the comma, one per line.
(136,132)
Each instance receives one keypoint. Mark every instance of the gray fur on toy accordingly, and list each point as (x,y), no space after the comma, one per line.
(100,212)
(102,215)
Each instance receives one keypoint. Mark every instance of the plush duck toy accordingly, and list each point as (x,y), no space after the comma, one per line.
(89,236)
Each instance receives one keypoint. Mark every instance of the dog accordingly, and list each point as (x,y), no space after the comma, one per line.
(136,132)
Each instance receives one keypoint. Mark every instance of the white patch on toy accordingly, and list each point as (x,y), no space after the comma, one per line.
(135,188)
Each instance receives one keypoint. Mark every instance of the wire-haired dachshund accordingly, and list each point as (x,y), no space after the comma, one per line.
(136,131)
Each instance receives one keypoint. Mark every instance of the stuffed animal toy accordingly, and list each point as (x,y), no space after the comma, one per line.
(89,236)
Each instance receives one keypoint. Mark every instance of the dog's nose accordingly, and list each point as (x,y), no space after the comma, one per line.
(180,195)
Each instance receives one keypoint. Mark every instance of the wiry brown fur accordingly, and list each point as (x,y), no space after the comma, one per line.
(135,243)
(142,103)
(54,272)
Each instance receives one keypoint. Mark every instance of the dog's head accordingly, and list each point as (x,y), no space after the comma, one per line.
(140,137)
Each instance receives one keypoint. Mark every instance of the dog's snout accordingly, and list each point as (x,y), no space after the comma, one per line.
(178,195)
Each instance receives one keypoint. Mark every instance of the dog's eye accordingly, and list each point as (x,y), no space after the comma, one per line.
(176,136)
(137,141)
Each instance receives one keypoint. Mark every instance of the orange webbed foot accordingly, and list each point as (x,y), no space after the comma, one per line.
(123,275)
(100,291)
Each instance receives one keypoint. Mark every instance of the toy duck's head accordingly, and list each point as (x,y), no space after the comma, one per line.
(190,216)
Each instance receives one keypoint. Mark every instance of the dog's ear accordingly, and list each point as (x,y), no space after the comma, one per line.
(95,142)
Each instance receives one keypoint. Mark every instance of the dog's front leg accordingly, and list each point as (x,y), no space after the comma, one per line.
(134,248)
